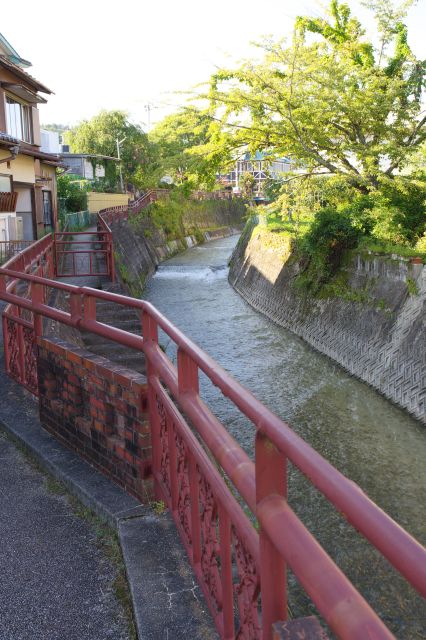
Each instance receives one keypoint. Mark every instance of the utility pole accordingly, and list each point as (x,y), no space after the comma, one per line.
(148,108)
(119,142)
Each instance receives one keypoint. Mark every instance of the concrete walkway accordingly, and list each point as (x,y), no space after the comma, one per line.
(56,583)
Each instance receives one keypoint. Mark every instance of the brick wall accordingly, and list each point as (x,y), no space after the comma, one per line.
(99,409)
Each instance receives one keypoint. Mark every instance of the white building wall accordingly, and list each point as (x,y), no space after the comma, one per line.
(50,141)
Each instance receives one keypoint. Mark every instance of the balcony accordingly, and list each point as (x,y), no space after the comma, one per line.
(8,202)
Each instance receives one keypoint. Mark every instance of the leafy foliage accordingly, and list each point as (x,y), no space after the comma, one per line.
(329,99)
(99,136)
(178,216)
(70,191)
(247,183)
(182,142)
(330,235)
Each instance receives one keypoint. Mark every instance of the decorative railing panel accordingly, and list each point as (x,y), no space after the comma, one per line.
(231,512)
(19,323)
(8,201)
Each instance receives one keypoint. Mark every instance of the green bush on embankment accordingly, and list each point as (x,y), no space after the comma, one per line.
(323,218)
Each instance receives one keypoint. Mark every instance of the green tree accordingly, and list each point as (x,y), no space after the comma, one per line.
(247,185)
(187,147)
(72,194)
(99,136)
(330,99)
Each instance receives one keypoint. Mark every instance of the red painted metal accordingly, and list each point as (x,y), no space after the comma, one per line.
(85,253)
(196,462)
(122,212)
(19,324)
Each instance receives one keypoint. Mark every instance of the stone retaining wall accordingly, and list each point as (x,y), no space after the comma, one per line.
(378,334)
(137,254)
(99,409)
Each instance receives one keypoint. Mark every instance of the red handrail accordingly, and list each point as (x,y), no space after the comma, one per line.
(340,604)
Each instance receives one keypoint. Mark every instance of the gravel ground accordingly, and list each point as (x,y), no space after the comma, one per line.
(55,581)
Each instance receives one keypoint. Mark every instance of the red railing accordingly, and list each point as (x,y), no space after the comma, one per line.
(122,212)
(241,568)
(86,253)
(8,201)
(20,349)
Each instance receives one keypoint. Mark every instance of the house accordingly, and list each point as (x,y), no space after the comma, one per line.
(260,166)
(28,199)
(86,165)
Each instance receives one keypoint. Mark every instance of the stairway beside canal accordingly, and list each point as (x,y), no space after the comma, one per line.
(109,313)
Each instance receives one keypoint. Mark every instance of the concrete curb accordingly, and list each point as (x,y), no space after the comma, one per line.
(167,602)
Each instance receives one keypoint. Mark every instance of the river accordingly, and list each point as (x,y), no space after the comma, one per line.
(362,434)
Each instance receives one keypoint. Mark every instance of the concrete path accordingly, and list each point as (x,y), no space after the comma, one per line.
(85,260)
(55,582)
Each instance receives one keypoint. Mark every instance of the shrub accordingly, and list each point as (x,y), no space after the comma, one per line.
(74,197)
(421,244)
(331,234)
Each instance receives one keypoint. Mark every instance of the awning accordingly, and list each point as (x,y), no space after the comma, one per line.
(23,92)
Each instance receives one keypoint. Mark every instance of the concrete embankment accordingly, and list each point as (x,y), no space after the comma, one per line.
(138,251)
(374,326)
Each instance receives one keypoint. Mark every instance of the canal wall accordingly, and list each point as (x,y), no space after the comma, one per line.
(375,328)
(139,250)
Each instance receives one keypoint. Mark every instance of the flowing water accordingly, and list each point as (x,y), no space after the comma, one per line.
(363,435)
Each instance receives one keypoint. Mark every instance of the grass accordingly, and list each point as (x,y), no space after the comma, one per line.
(412,287)
(298,229)
(158,506)
(382,247)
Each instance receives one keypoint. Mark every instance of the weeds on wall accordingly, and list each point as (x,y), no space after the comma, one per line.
(179,216)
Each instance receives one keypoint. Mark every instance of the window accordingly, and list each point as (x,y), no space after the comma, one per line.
(5,183)
(47,209)
(19,123)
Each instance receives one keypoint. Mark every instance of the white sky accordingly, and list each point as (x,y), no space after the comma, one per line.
(125,54)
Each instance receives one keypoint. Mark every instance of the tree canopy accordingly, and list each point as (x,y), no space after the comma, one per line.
(180,139)
(330,99)
(99,136)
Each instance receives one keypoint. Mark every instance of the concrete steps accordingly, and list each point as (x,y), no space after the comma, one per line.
(121,318)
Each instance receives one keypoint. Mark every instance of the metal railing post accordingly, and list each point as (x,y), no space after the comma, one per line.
(150,334)
(271,478)
(37,297)
(111,257)
(89,307)
(76,307)
(187,373)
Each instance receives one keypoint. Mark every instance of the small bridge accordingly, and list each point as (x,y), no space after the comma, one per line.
(231,512)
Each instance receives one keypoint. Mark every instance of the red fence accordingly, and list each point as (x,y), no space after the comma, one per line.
(241,568)
(122,212)
(87,253)
(19,323)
